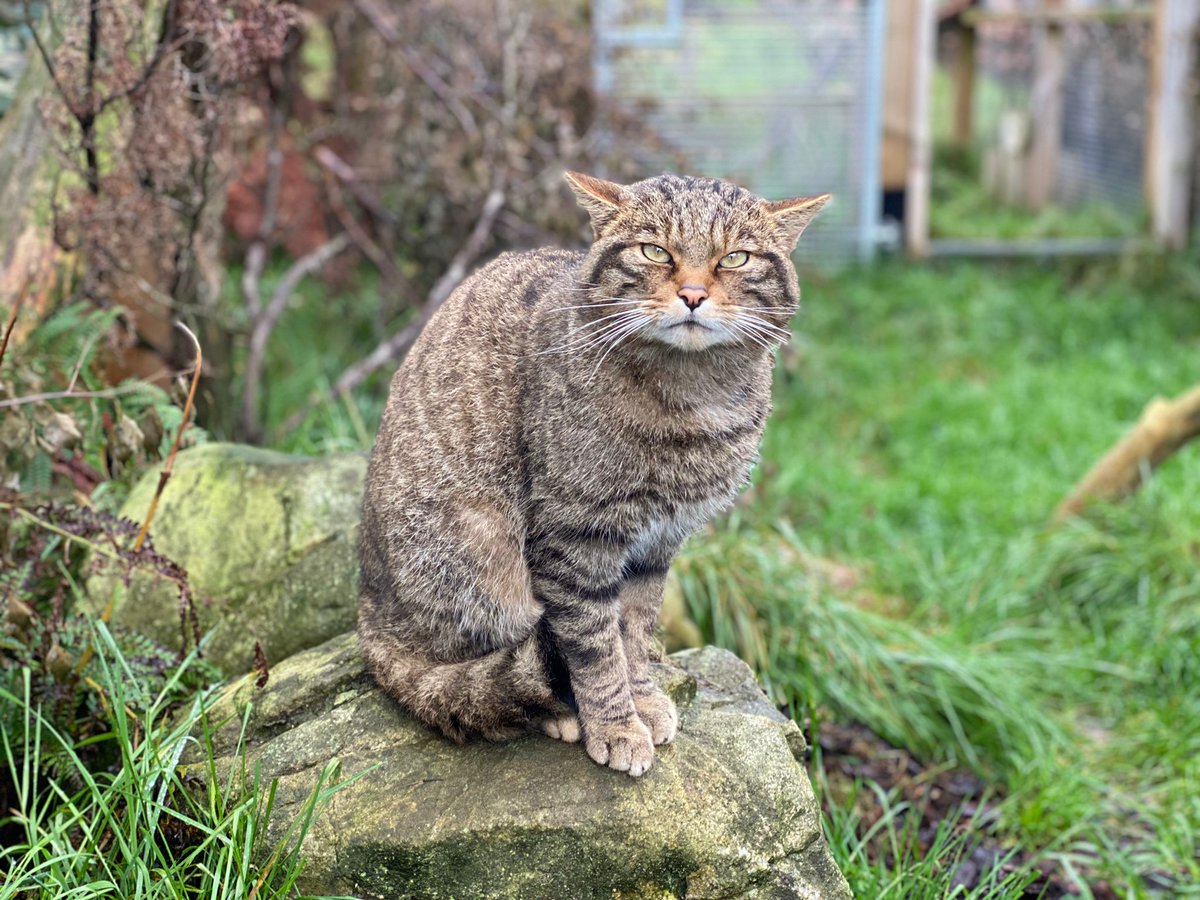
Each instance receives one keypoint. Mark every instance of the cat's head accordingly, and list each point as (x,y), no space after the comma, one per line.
(691,263)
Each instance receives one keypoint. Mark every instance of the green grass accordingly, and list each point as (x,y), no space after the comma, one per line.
(137,827)
(925,427)
(927,421)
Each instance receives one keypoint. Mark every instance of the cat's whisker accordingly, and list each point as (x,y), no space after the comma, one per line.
(759,320)
(584,341)
(771,339)
(763,325)
(755,331)
(616,343)
(594,322)
(748,335)
(616,332)
(621,315)
(782,336)
(579,337)
(763,314)
(616,335)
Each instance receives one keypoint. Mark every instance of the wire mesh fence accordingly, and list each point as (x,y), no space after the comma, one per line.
(1106,63)
(779,95)
(1105,94)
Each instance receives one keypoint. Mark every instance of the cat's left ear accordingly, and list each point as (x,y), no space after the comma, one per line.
(600,198)
(791,217)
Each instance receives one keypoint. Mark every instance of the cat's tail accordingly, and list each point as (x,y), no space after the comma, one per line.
(496,696)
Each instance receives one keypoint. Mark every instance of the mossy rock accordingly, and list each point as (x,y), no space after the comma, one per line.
(726,811)
(268,541)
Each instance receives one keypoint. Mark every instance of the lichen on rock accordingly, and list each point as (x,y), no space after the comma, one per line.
(268,541)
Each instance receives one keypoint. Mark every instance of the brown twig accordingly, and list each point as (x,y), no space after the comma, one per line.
(90,546)
(106,394)
(165,475)
(12,323)
(346,175)
(334,175)
(395,346)
(162,50)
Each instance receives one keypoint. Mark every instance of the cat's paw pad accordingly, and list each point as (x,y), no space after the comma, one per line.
(657,712)
(564,728)
(625,746)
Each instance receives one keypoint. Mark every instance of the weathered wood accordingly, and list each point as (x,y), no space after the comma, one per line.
(1170,138)
(1061,16)
(898,93)
(1046,111)
(1164,427)
(964,88)
(920,163)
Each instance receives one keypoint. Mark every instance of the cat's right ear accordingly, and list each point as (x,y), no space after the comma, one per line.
(600,198)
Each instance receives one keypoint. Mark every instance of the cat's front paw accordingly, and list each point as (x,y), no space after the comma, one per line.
(657,712)
(563,728)
(625,746)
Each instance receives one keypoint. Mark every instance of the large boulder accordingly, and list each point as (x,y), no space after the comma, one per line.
(726,811)
(268,541)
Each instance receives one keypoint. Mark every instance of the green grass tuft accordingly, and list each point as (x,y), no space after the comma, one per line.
(137,827)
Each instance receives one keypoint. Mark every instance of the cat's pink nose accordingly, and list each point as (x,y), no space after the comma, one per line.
(693,295)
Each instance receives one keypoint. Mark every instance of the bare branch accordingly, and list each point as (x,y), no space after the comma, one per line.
(165,476)
(265,322)
(256,253)
(433,81)
(162,51)
(163,48)
(12,322)
(1164,427)
(457,270)
(379,21)
(105,394)
(346,175)
(396,345)
(335,169)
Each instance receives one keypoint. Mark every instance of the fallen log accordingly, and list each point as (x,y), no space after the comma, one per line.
(1163,428)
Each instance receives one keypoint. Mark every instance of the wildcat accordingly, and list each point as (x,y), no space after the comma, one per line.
(563,422)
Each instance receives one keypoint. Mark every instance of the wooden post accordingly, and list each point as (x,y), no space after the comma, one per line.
(1046,110)
(898,94)
(964,87)
(1170,142)
(920,157)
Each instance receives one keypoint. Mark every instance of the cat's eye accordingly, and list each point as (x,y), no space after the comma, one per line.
(734,260)
(655,253)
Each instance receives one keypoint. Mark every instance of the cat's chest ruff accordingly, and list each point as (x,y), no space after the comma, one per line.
(672,527)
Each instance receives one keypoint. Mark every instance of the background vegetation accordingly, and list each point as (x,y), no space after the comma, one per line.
(892,566)
(996,708)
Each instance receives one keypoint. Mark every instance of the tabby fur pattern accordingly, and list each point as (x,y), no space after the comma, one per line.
(562,424)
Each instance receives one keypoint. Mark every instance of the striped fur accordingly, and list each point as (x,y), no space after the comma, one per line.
(561,426)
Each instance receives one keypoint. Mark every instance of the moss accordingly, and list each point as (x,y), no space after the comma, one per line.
(572,866)
(268,541)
